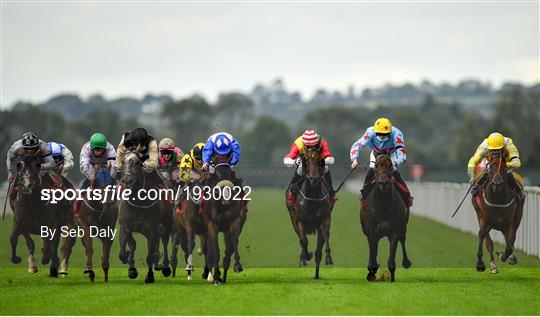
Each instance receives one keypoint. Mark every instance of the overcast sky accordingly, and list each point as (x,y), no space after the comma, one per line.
(181,48)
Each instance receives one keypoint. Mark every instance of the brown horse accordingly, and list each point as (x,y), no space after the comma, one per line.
(497,208)
(384,215)
(226,215)
(187,223)
(138,215)
(101,216)
(31,213)
(311,211)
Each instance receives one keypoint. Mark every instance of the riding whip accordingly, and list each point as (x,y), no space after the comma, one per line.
(455,212)
(343,181)
(5,201)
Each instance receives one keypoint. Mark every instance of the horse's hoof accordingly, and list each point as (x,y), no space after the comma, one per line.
(303,263)
(166,271)
(205,274)
(53,272)
(329,261)
(512,260)
(480,267)
(174,272)
(502,256)
(132,274)
(406,263)
(149,279)
(210,277)
(371,277)
(91,275)
(32,269)
(190,268)
(189,278)
(238,268)
(63,273)
(309,255)
(217,281)
(494,270)
(16,259)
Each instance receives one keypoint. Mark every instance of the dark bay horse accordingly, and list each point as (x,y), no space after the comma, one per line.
(138,215)
(31,213)
(497,208)
(384,215)
(99,215)
(311,211)
(226,215)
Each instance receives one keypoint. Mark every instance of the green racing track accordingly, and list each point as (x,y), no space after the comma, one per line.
(442,281)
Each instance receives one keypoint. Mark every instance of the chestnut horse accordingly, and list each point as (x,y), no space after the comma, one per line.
(497,208)
(311,211)
(384,215)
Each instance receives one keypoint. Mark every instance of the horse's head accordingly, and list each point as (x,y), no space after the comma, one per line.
(102,176)
(314,164)
(29,173)
(497,171)
(383,172)
(131,168)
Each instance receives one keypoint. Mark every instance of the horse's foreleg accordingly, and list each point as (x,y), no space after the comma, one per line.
(213,250)
(373,242)
(123,254)
(318,251)
(509,238)
(153,244)
(166,270)
(107,244)
(55,260)
(489,246)
(132,244)
(174,253)
(66,248)
(326,235)
(14,239)
(89,248)
(305,255)
(480,266)
(190,236)
(236,230)
(32,265)
(229,250)
(406,261)
(392,256)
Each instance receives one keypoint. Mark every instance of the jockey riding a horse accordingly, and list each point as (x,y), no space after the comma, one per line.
(382,138)
(220,144)
(496,143)
(170,156)
(29,145)
(147,148)
(191,164)
(63,158)
(310,140)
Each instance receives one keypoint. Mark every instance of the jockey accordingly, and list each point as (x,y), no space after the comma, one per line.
(62,156)
(221,143)
(30,144)
(170,156)
(310,139)
(137,139)
(496,142)
(96,151)
(191,164)
(382,138)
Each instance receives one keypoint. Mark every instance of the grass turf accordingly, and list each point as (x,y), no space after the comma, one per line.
(442,280)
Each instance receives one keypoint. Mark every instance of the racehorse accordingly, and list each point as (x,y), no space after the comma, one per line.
(497,208)
(227,215)
(311,211)
(31,213)
(187,222)
(101,215)
(384,214)
(138,215)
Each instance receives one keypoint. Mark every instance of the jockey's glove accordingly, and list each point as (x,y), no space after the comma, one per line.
(298,161)
(288,161)
(329,160)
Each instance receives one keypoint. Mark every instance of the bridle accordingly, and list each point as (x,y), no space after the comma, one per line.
(379,172)
(491,178)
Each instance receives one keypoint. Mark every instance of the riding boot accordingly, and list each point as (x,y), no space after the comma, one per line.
(370,175)
(330,187)
(403,189)
(293,187)
(520,194)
